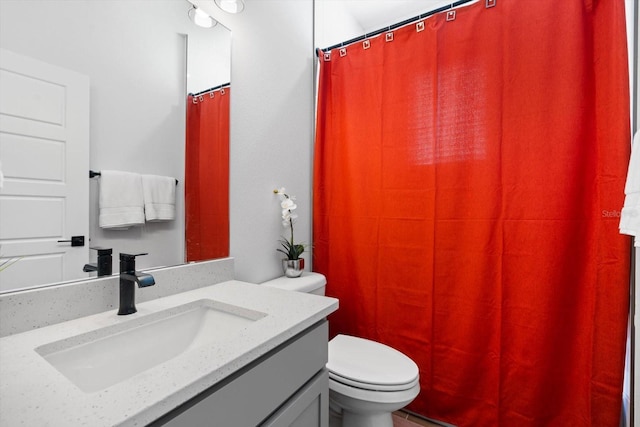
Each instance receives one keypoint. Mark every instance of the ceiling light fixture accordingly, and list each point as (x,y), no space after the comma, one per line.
(231,6)
(200,18)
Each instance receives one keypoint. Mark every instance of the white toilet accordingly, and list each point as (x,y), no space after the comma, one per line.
(367,380)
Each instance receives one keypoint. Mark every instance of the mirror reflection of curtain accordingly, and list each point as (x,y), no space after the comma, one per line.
(468,180)
(207,176)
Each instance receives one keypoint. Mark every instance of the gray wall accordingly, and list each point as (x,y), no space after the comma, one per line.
(272,114)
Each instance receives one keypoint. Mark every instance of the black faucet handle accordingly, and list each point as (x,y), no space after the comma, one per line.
(102,251)
(128,262)
(130,257)
(103,266)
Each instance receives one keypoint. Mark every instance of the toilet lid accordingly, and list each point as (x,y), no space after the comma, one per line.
(369,364)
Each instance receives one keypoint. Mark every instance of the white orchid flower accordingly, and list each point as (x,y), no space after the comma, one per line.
(287,204)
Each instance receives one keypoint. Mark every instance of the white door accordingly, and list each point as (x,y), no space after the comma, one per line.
(44,156)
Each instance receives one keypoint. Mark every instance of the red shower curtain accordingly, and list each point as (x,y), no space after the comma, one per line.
(467,186)
(207,176)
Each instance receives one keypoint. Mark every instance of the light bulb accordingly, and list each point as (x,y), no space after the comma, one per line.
(231,6)
(200,18)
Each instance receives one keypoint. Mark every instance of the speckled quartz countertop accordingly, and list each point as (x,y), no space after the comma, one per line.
(34,393)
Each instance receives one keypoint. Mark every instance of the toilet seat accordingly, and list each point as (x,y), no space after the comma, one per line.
(372,387)
(369,365)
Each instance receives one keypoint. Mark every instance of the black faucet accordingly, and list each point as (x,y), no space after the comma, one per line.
(128,278)
(104,265)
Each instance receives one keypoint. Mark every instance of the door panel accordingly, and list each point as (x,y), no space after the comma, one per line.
(18,147)
(21,92)
(44,216)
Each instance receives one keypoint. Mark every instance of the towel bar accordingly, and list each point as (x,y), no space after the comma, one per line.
(93,174)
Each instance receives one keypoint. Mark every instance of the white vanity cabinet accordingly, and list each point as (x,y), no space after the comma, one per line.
(286,387)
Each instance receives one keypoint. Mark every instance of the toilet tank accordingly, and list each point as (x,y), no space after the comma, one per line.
(309,282)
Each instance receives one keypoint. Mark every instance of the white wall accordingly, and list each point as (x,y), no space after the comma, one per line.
(341,20)
(334,23)
(208,58)
(135,57)
(272,117)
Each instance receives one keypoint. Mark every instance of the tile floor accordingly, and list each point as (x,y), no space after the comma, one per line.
(400,419)
(403,419)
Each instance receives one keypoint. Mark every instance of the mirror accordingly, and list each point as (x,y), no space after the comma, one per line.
(207,142)
(135,55)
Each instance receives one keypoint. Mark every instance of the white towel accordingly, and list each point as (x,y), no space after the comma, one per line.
(159,197)
(121,200)
(630,215)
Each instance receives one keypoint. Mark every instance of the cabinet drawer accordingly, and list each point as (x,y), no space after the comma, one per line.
(255,392)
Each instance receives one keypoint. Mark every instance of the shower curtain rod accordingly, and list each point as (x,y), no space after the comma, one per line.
(211,89)
(399,24)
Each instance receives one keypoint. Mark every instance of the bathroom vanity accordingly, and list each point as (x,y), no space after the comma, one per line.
(229,354)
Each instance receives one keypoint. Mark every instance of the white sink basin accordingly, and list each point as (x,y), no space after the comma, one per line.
(96,360)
